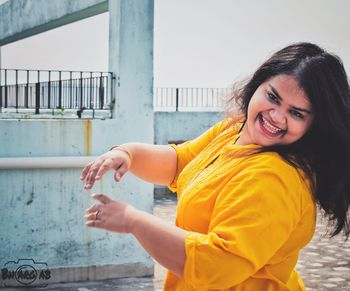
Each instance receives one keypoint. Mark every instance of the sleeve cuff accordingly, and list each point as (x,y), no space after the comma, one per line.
(190,269)
(173,185)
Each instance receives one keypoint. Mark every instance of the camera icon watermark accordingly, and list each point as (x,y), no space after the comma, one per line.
(25,272)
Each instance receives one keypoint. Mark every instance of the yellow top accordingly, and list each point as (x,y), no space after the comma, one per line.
(247,216)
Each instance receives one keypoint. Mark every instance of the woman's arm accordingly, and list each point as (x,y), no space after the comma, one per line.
(163,241)
(153,163)
(157,164)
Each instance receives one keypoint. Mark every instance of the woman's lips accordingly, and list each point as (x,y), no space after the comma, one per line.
(268,129)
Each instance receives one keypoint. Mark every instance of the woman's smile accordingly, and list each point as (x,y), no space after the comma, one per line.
(267,128)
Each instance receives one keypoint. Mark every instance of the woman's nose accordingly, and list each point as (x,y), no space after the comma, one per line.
(278,117)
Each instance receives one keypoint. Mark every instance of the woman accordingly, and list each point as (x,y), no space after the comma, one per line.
(247,191)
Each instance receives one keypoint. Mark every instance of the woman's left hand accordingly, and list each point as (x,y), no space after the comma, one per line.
(112,215)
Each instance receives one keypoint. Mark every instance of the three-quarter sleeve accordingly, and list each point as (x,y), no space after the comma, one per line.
(253,217)
(188,150)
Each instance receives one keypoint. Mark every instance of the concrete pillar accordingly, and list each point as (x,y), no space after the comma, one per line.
(131,59)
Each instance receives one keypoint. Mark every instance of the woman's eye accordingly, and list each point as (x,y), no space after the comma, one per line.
(272,98)
(297,114)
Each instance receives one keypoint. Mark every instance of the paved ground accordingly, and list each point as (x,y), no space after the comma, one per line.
(324,264)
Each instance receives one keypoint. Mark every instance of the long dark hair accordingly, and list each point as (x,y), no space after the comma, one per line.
(323,153)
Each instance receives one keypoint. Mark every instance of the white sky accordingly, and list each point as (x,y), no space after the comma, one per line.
(197,43)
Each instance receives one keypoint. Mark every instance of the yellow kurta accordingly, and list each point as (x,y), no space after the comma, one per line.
(247,217)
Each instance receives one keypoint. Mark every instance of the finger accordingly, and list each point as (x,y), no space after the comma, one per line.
(93,208)
(94,223)
(85,171)
(88,183)
(90,216)
(120,172)
(101,197)
(107,165)
(92,174)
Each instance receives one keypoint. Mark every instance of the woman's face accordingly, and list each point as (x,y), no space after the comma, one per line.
(279,113)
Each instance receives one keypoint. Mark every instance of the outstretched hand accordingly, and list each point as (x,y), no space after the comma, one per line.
(112,215)
(117,160)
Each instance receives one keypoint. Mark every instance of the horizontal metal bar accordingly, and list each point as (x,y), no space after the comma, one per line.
(45,162)
(66,71)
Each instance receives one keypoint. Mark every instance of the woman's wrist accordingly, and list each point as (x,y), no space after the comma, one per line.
(121,148)
(133,220)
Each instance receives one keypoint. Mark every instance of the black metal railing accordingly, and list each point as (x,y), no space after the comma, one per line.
(49,89)
(190,99)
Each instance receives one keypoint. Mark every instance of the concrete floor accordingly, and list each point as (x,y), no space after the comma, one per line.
(324,264)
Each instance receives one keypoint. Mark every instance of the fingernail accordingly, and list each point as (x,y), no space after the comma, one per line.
(97,177)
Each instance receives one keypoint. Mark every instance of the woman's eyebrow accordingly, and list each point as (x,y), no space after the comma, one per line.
(280,98)
(275,92)
(301,109)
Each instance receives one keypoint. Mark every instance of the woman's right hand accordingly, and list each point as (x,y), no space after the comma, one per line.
(117,159)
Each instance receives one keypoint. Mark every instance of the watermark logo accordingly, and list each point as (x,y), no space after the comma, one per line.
(25,272)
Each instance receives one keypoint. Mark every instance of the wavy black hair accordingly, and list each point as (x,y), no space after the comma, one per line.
(323,153)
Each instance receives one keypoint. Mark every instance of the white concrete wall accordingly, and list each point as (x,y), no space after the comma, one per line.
(176,126)
(44,208)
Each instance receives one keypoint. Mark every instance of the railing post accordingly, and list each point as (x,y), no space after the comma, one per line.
(111,87)
(6,93)
(26,97)
(49,91)
(37,98)
(101,92)
(59,90)
(92,99)
(177,99)
(88,92)
(16,86)
(70,90)
(81,91)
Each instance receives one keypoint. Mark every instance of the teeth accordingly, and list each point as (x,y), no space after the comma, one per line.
(269,126)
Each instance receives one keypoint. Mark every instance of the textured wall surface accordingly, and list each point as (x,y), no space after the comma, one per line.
(43,209)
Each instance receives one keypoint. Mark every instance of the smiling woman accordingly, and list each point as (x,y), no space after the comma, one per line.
(247,191)
(297,104)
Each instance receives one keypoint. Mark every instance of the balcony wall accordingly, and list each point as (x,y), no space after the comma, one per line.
(42,209)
